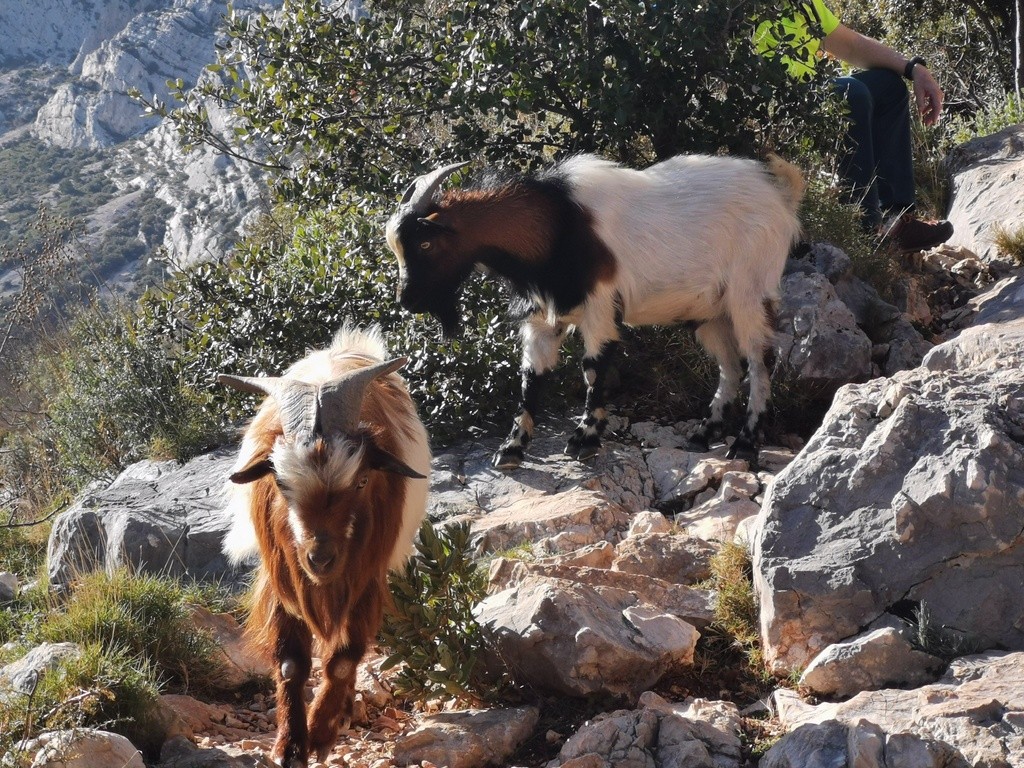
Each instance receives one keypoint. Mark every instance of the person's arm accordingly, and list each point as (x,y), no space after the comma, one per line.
(866,52)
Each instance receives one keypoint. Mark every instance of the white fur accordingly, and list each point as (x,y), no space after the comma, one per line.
(694,237)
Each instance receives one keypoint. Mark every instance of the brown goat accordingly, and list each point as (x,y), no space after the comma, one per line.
(329,487)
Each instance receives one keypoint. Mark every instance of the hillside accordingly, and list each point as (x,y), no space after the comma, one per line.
(66,68)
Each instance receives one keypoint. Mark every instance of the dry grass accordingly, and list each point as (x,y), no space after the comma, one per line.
(1009,241)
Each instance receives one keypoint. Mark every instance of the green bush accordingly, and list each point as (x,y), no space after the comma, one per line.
(266,306)
(107,688)
(431,630)
(146,617)
(115,397)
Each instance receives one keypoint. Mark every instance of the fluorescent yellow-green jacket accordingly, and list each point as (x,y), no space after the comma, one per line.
(799,44)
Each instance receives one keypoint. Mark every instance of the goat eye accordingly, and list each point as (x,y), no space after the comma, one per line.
(362,481)
(425,245)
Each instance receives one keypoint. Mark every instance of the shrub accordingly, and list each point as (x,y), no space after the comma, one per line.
(106,688)
(145,617)
(262,309)
(432,629)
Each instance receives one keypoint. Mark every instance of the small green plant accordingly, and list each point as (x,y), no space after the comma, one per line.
(728,654)
(1009,241)
(432,628)
(108,688)
(939,640)
(145,616)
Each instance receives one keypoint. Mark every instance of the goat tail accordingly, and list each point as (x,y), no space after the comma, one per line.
(790,180)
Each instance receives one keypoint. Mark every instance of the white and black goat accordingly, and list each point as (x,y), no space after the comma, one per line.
(329,488)
(594,245)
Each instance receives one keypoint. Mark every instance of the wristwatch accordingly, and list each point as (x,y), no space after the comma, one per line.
(908,71)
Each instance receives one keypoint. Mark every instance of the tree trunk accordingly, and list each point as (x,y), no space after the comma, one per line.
(1018,46)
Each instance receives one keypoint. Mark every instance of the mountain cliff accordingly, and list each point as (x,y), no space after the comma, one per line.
(66,68)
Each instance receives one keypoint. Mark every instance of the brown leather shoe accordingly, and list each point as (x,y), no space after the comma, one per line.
(909,233)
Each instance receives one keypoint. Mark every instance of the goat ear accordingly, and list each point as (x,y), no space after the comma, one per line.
(434,224)
(252,471)
(383,461)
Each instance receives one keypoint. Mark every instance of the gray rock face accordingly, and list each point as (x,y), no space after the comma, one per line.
(911,490)
(861,519)
(973,716)
(986,189)
(818,338)
(159,517)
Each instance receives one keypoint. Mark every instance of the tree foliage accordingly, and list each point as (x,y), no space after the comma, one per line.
(333,103)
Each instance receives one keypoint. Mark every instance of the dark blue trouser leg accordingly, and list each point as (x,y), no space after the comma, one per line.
(879,164)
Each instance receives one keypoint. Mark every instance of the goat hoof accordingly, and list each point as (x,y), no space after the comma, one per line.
(744,451)
(508,458)
(583,449)
(698,444)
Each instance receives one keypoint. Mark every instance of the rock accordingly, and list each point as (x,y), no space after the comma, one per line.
(158,517)
(672,557)
(974,713)
(879,659)
(996,336)
(23,675)
(239,664)
(864,517)
(86,748)
(863,745)
(679,476)
(557,523)
(984,181)
(180,752)
(718,518)
(648,522)
(579,640)
(467,739)
(692,605)
(694,734)
(818,337)
(8,587)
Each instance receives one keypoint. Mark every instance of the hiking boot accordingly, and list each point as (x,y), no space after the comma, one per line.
(909,233)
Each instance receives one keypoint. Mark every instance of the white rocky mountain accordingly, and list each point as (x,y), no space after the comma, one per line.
(66,67)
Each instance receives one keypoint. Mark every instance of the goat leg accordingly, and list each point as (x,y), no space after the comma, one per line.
(585,442)
(511,453)
(331,711)
(291,643)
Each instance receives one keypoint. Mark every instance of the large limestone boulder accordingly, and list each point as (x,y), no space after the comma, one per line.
(986,175)
(158,517)
(467,739)
(910,493)
(973,716)
(579,640)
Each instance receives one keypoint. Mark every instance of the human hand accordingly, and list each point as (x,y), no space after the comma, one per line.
(928,95)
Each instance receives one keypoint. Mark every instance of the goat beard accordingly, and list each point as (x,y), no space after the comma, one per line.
(449,315)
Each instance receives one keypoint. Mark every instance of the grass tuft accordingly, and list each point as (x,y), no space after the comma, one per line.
(145,616)
(1009,241)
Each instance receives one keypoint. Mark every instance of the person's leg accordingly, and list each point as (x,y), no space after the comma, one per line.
(891,138)
(857,166)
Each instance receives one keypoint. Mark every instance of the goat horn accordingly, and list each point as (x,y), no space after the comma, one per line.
(420,193)
(341,400)
(296,400)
